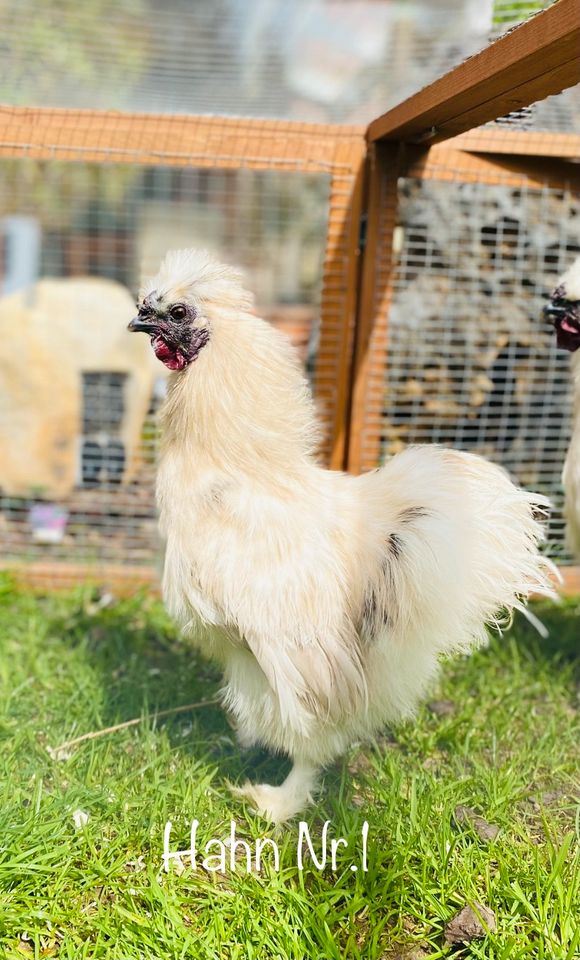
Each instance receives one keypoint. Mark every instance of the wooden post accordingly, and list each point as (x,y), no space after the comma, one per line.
(338,312)
(376,289)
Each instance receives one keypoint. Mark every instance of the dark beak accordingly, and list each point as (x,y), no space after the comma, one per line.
(555,311)
(142,325)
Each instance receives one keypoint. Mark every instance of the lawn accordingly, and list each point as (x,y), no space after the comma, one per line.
(499,737)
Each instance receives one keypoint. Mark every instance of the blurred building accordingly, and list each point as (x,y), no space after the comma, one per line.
(75,387)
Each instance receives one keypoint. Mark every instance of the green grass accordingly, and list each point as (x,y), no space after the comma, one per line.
(507,745)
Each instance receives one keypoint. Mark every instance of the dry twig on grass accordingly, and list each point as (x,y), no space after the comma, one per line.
(62,752)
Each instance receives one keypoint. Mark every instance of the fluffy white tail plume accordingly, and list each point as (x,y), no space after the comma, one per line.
(328,599)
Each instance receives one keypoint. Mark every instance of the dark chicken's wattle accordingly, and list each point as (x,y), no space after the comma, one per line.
(564,314)
(170,356)
(567,333)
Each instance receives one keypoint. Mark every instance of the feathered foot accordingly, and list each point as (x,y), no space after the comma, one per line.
(279,804)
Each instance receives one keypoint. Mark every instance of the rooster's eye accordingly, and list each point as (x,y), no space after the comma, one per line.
(178,312)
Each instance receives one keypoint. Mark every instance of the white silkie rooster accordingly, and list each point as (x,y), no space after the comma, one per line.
(327,599)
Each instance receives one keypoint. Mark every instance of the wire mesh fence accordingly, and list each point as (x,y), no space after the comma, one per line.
(461,354)
(90,201)
(78,396)
(313,60)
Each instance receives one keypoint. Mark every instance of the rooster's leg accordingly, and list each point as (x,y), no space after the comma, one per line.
(284,802)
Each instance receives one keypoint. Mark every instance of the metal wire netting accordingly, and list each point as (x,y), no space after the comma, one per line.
(318,60)
(315,60)
(471,361)
(78,395)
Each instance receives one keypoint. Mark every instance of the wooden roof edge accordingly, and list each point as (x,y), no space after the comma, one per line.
(546,45)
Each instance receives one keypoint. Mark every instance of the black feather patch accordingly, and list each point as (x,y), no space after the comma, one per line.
(370,606)
(395,545)
(413,513)
(374,617)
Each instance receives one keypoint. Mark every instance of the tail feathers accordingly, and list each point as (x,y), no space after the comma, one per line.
(470,556)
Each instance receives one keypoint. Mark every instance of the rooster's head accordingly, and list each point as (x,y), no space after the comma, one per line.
(179,305)
(563,309)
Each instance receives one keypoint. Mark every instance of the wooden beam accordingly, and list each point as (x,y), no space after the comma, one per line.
(370,355)
(443,162)
(121,579)
(95,136)
(124,581)
(337,313)
(520,143)
(536,59)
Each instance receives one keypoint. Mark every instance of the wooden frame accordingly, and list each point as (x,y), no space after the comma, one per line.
(338,312)
(436,134)
(231,144)
(536,59)
(518,143)
(101,136)
(539,57)
(385,165)
(389,161)
(443,162)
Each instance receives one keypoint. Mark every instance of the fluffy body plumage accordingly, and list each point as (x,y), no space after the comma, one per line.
(567,295)
(327,599)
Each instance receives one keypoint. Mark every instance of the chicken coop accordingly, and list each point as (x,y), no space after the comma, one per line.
(399,181)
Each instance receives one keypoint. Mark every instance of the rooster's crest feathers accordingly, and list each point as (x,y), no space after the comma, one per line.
(570,281)
(195,276)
